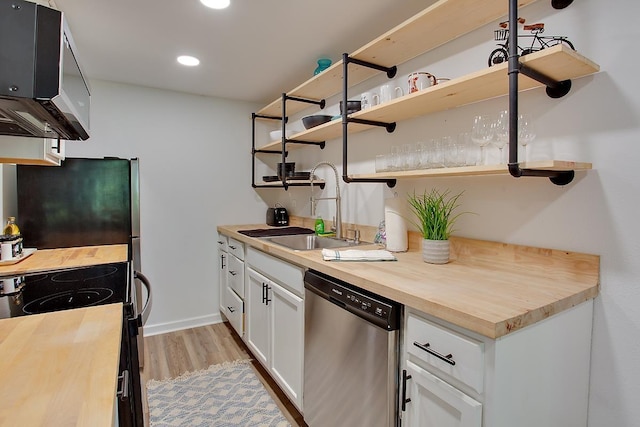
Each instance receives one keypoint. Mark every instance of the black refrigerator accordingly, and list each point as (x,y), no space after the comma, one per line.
(86,202)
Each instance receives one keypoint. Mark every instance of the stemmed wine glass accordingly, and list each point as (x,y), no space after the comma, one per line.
(526,132)
(482,134)
(501,132)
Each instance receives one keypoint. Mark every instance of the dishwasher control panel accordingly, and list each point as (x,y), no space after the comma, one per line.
(371,307)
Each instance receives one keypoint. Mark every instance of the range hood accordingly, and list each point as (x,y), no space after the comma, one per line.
(43,92)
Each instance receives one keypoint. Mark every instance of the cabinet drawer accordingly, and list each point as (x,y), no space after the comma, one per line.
(288,275)
(235,275)
(223,242)
(235,311)
(424,338)
(237,248)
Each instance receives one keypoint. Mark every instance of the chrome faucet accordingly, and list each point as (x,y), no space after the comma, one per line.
(314,200)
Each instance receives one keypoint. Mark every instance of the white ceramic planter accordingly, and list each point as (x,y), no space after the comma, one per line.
(435,251)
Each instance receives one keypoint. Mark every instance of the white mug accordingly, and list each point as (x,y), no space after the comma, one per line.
(420,80)
(368,100)
(388,92)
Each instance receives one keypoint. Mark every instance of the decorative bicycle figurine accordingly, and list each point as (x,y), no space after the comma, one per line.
(500,55)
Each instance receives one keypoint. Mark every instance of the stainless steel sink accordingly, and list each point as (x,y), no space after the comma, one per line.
(308,242)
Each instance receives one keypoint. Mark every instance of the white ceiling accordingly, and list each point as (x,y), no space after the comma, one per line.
(252,51)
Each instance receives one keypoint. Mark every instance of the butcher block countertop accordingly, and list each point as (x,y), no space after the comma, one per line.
(488,287)
(55,259)
(60,368)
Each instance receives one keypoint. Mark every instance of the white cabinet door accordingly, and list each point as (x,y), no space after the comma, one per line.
(287,341)
(434,403)
(257,335)
(223,259)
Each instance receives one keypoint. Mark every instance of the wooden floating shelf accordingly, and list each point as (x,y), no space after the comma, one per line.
(434,26)
(552,165)
(558,62)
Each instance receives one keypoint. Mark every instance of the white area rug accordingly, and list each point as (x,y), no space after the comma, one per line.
(229,394)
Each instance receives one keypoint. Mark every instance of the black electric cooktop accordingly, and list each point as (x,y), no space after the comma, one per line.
(63,290)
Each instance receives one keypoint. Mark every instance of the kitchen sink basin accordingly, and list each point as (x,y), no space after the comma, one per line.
(308,242)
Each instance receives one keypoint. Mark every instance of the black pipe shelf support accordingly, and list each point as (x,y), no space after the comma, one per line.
(289,184)
(255,151)
(554,89)
(320,144)
(390,127)
(263,116)
(560,4)
(391,71)
(321,103)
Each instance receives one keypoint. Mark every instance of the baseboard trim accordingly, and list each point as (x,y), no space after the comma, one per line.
(194,322)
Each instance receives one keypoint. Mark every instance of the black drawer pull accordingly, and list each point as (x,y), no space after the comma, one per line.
(448,358)
(233,273)
(232,247)
(231,309)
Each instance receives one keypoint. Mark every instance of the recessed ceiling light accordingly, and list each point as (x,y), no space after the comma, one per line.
(190,61)
(216,4)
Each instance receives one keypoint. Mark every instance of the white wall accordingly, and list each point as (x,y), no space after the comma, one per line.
(194,169)
(598,122)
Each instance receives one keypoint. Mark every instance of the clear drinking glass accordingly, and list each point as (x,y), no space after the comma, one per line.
(501,133)
(395,158)
(470,150)
(526,132)
(410,160)
(449,151)
(482,134)
(437,153)
(381,163)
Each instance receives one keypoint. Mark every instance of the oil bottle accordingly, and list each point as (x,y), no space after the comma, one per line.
(11,229)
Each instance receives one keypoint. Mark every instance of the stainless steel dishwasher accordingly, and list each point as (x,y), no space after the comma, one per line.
(350,355)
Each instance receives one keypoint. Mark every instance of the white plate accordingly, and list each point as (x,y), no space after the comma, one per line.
(26,253)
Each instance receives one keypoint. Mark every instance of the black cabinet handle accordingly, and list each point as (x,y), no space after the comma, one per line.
(232,247)
(231,309)
(405,399)
(222,261)
(233,273)
(220,242)
(448,358)
(265,294)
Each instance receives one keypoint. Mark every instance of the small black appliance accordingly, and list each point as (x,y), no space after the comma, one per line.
(277,217)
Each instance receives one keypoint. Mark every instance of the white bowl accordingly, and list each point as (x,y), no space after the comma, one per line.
(277,134)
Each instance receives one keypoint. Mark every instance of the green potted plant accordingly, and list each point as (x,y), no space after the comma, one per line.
(434,211)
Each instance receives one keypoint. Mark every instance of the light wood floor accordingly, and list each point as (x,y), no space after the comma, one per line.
(170,355)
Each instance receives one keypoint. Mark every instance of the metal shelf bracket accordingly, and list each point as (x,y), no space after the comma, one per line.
(390,127)
(554,89)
